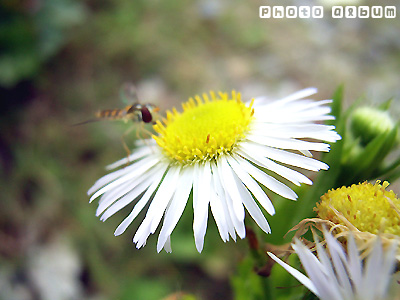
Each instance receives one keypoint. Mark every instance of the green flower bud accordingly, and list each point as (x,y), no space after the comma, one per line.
(367,123)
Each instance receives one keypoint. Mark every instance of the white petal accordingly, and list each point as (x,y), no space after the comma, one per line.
(140,167)
(201,200)
(116,193)
(231,199)
(251,184)
(286,157)
(142,202)
(290,144)
(300,94)
(318,274)
(283,171)
(372,272)
(176,207)
(227,177)
(222,199)
(163,196)
(339,260)
(158,206)
(111,196)
(219,214)
(354,264)
(304,280)
(125,200)
(167,246)
(252,207)
(312,131)
(139,153)
(107,179)
(295,96)
(387,268)
(268,181)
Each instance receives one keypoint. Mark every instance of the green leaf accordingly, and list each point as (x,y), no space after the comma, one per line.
(364,166)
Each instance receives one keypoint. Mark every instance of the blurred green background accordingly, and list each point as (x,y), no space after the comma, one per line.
(61,60)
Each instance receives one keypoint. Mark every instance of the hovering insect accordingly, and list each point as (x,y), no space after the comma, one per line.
(136,112)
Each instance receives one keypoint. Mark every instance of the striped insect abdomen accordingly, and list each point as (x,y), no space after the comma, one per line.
(111,114)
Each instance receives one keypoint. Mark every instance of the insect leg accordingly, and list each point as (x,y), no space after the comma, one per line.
(128,151)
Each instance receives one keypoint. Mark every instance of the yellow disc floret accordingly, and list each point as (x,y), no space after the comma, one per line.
(207,127)
(368,207)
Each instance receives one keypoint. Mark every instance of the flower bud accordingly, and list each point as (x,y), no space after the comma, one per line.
(367,123)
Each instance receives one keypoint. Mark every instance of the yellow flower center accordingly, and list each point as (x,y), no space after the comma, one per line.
(370,208)
(207,127)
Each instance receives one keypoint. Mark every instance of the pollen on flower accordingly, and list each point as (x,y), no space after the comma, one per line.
(207,127)
(369,207)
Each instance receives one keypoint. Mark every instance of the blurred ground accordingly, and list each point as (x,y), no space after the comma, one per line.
(62,60)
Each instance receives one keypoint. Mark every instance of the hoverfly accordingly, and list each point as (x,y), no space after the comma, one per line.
(136,112)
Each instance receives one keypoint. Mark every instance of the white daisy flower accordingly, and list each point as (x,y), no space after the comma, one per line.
(214,150)
(344,275)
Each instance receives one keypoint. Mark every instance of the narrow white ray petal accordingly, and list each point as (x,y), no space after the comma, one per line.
(339,260)
(283,102)
(354,264)
(165,193)
(306,153)
(372,271)
(221,197)
(387,268)
(295,96)
(293,116)
(251,184)
(142,202)
(312,131)
(303,279)
(125,200)
(297,110)
(157,206)
(140,237)
(290,144)
(142,166)
(238,225)
(201,200)
(230,186)
(317,273)
(268,181)
(167,246)
(116,193)
(232,200)
(107,179)
(288,158)
(252,207)
(293,176)
(139,153)
(302,115)
(176,207)
(113,195)
(219,214)
(300,94)
(335,265)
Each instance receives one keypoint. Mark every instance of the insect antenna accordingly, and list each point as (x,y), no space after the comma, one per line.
(86,122)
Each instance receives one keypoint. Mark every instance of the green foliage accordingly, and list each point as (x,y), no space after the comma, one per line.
(29,36)
(246,283)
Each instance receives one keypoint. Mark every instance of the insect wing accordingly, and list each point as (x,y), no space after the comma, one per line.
(128,93)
